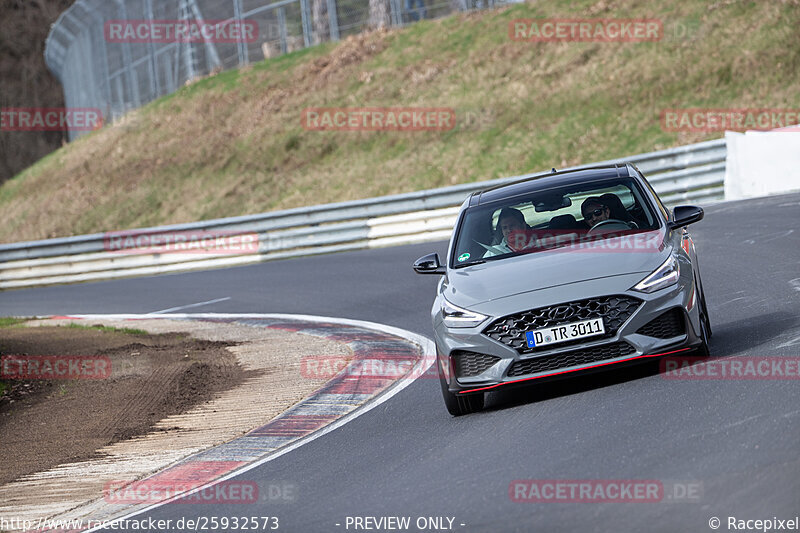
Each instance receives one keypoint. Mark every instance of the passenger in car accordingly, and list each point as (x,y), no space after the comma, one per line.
(509,220)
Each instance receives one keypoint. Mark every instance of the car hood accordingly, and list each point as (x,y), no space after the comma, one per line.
(493,280)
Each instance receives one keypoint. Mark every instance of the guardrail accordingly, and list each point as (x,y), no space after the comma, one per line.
(693,173)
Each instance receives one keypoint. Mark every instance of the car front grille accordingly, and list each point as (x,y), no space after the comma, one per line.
(471,363)
(614,310)
(666,325)
(557,361)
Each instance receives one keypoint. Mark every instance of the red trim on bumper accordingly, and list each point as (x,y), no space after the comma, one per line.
(573,370)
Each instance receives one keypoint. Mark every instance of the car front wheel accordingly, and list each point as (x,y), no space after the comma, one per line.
(460,404)
(705,325)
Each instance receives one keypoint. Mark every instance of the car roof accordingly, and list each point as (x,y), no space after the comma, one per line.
(549,180)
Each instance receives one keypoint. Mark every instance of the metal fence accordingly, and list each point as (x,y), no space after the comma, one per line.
(103,67)
(693,173)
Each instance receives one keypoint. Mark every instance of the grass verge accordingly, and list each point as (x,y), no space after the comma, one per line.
(108,329)
(10,321)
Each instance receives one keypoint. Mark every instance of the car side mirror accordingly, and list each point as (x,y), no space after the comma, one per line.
(429,264)
(683,215)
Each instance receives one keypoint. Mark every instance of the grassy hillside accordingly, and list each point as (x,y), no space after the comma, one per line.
(233,144)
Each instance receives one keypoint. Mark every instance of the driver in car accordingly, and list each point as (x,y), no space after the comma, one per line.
(597,214)
(595,211)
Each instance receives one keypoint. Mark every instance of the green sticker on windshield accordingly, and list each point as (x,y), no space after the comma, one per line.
(463,257)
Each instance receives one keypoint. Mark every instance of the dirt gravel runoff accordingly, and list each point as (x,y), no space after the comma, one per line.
(219,380)
(45,423)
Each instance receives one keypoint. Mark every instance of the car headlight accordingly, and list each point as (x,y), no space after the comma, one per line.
(458,317)
(664,276)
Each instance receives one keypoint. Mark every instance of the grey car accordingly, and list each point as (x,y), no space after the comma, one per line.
(563,273)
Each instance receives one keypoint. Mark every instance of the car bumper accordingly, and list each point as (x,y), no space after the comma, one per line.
(629,344)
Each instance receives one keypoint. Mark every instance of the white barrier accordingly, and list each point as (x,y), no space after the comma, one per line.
(760,163)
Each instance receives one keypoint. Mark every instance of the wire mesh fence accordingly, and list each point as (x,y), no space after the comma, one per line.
(117,55)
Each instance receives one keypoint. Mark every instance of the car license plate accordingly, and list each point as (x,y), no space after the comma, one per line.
(565,332)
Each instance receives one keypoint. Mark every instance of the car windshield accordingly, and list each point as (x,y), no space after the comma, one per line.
(556,217)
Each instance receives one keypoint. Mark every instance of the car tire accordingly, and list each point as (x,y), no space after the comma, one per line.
(702,350)
(698,282)
(460,404)
(704,314)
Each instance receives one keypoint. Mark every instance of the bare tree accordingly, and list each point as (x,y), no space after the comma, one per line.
(319,16)
(379,13)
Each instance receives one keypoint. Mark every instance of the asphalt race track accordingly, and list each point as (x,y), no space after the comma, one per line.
(737,440)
